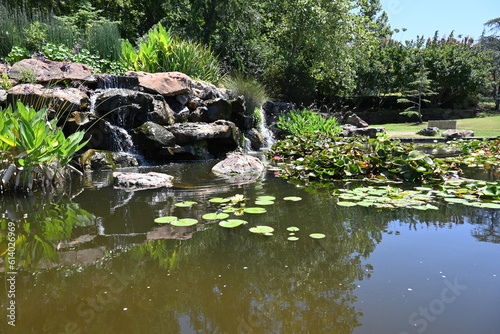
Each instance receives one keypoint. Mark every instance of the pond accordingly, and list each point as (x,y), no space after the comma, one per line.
(93,260)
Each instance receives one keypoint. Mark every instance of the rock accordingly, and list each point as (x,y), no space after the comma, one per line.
(355,120)
(62,100)
(351,131)
(430,131)
(217,109)
(255,138)
(239,114)
(451,134)
(190,132)
(35,70)
(142,180)
(153,141)
(105,81)
(166,83)
(239,164)
(102,160)
(205,91)
(130,109)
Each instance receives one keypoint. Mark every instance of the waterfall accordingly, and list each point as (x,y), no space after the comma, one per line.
(267,135)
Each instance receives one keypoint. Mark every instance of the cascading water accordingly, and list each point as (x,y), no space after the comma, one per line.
(267,135)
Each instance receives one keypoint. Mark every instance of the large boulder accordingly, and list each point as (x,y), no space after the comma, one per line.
(217,109)
(130,109)
(166,83)
(430,131)
(351,131)
(106,160)
(153,141)
(452,134)
(191,132)
(355,120)
(142,180)
(239,164)
(60,99)
(35,70)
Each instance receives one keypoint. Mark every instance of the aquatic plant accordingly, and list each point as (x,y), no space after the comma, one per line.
(326,157)
(33,150)
(305,121)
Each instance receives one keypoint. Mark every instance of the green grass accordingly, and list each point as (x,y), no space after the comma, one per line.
(483,127)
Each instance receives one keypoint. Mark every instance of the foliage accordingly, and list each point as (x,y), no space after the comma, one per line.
(325,157)
(304,122)
(415,96)
(491,43)
(32,148)
(160,51)
(255,93)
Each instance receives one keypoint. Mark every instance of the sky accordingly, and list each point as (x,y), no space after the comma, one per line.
(424,17)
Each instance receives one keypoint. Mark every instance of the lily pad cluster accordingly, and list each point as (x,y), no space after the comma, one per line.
(474,193)
(324,157)
(235,205)
(477,153)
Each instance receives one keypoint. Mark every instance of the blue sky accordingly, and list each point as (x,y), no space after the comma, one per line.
(424,17)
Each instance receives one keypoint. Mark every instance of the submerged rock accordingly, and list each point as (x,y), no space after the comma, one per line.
(142,180)
(239,164)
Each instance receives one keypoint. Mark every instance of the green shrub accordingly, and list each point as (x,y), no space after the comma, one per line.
(32,148)
(162,52)
(307,122)
(255,93)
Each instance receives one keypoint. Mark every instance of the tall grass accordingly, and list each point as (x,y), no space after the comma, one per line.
(160,51)
(255,93)
(31,29)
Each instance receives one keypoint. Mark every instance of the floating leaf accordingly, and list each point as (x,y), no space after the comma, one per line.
(292,229)
(185,204)
(219,200)
(261,229)
(317,235)
(184,222)
(254,210)
(231,223)
(293,198)
(265,198)
(292,238)
(346,203)
(267,234)
(455,200)
(264,202)
(165,220)
(215,215)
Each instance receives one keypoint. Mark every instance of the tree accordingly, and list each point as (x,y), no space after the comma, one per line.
(491,43)
(415,96)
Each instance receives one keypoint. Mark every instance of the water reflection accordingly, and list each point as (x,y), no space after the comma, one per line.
(139,277)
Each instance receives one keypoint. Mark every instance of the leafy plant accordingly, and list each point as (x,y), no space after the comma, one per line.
(303,122)
(32,148)
(160,51)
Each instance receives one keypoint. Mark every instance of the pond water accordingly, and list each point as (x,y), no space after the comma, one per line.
(94,261)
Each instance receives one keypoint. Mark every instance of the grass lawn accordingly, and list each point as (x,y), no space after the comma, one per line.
(488,126)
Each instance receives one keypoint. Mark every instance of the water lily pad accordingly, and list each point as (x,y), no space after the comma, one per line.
(293,198)
(185,204)
(215,215)
(184,222)
(317,235)
(165,220)
(455,200)
(292,238)
(346,203)
(254,210)
(265,198)
(261,229)
(264,202)
(292,229)
(218,200)
(232,223)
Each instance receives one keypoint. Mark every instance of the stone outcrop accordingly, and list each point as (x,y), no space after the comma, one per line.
(452,134)
(48,71)
(106,160)
(60,99)
(239,164)
(166,84)
(351,130)
(430,131)
(142,180)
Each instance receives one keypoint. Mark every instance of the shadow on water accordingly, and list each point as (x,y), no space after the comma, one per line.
(95,262)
